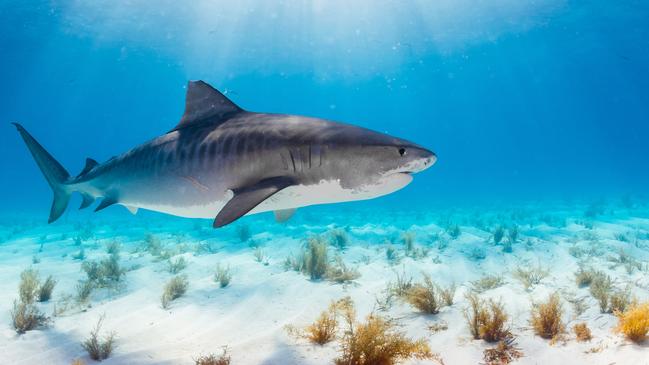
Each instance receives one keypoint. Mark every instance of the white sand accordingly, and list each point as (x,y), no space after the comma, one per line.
(249,315)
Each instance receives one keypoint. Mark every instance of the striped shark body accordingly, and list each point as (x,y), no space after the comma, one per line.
(223,162)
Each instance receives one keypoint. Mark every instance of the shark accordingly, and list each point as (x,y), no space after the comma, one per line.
(223,162)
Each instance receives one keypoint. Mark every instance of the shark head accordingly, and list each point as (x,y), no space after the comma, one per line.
(372,163)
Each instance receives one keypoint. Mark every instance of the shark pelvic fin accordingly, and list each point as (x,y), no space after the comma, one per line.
(90,164)
(107,202)
(205,103)
(283,215)
(246,198)
(132,209)
(87,200)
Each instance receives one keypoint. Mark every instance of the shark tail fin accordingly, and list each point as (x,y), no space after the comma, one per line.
(54,173)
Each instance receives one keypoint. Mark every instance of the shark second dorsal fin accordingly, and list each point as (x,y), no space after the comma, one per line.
(90,164)
(205,103)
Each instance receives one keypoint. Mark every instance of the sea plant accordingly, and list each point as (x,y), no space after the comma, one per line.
(507,247)
(340,273)
(601,288)
(84,290)
(293,263)
(315,258)
(213,359)
(582,332)
(177,265)
(243,232)
(223,275)
(585,276)
(174,289)
(634,322)
(504,353)
(104,273)
(408,240)
(438,327)
(454,231)
(113,248)
(487,320)
(28,287)
(494,322)
(402,285)
(512,234)
(498,234)
(424,296)
(45,290)
(338,238)
(448,293)
(391,255)
(620,299)
(377,341)
(530,276)
(546,318)
(487,282)
(324,329)
(260,256)
(26,317)
(99,349)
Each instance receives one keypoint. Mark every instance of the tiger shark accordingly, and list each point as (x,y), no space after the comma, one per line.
(223,162)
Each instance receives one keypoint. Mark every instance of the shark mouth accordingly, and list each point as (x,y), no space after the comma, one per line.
(415,166)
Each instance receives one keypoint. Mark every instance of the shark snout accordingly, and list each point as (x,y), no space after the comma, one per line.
(422,159)
(430,159)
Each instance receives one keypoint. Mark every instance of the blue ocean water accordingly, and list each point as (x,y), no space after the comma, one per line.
(546,100)
(538,112)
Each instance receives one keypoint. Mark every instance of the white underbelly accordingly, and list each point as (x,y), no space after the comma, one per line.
(296,196)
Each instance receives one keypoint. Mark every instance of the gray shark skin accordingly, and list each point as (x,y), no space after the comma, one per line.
(222,161)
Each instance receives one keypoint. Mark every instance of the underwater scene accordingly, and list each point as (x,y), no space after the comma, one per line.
(324,182)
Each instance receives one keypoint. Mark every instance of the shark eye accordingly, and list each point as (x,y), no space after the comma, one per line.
(402,151)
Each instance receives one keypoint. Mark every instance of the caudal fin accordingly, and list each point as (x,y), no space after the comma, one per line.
(54,173)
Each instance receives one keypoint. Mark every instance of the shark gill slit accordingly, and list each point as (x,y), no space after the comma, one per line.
(302,158)
(309,157)
(202,150)
(320,153)
(284,162)
(292,159)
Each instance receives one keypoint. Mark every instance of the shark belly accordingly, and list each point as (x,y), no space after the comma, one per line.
(330,191)
(296,196)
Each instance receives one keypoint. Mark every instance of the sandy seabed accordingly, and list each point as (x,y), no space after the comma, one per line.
(250,315)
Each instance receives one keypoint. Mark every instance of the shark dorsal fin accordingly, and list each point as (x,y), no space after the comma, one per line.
(205,103)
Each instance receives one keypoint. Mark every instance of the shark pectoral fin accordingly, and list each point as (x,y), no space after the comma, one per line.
(107,202)
(245,199)
(87,200)
(132,209)
(283,215)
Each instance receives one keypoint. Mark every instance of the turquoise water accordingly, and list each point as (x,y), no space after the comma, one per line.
(538,113)
(519,101)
